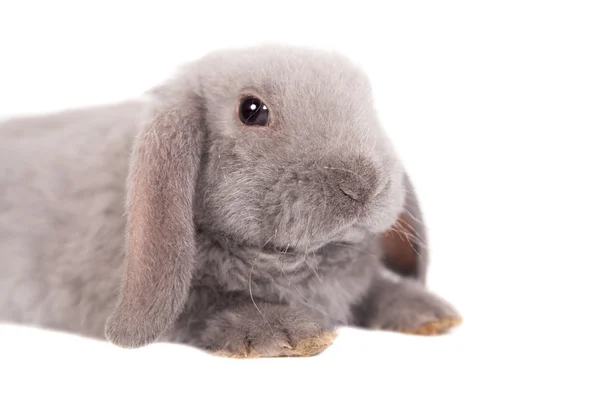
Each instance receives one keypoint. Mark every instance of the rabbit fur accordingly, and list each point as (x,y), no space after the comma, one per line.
(165,218)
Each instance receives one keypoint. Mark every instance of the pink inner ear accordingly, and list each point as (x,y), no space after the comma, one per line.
(400,251)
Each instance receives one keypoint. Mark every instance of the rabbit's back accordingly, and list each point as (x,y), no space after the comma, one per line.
(62,184)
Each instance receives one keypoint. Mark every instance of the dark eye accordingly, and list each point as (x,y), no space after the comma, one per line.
(254,112)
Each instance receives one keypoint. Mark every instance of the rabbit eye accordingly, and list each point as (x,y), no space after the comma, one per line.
(254,112)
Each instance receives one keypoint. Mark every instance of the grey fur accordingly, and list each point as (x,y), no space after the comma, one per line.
(167,219)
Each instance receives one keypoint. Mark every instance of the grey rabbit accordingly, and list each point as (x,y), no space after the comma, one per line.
(239,207)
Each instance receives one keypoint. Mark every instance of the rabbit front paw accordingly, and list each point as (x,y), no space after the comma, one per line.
(272,332)
(409,308)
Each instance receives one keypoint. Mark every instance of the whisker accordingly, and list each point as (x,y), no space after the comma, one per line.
(314,269)
(354,248)
(307,303)
(350,171)
(413,217)
(250,277)
(251,295)
(285,253)
(301,294)
(332,148)
(407,237)
(295,270)
(403,234)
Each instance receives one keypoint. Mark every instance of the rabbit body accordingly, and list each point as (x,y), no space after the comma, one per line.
(168,219)
(62,185)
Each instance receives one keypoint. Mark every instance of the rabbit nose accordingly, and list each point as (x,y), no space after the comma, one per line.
(356,190)
(357,181)
(350,192)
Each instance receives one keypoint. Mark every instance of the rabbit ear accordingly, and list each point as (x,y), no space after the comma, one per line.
(160,243)
(405,245)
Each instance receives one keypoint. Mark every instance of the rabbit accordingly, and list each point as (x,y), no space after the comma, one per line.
(249,205)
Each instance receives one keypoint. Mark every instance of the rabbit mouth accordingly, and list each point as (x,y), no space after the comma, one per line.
(291,253)
(280,250)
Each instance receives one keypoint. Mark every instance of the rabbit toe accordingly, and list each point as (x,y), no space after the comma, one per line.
(311,346)
(270,347)
(424,319)
(411,309)
(432,328)
(277,333)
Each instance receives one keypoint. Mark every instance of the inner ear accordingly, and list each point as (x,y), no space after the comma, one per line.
(401,250)
(405,244)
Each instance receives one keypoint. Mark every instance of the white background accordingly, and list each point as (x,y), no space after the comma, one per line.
(495,110)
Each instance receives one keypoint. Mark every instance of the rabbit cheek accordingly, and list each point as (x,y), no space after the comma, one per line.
(286,216)
(382,212)
(303,212)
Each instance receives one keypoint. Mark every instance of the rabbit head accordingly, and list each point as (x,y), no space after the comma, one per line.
(271,147)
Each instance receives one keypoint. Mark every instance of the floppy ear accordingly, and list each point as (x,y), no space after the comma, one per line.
(405,245)
(160,241)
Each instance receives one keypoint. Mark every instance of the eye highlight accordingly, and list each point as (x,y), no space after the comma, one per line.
(253,112)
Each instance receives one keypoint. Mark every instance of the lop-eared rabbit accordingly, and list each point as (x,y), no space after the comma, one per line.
(247,206)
